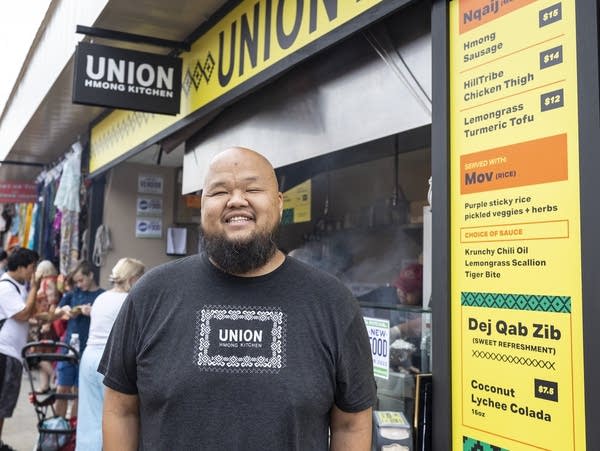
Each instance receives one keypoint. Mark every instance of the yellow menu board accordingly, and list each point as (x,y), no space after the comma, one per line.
(517,340)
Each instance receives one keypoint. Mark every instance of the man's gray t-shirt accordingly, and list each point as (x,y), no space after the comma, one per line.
(221,362)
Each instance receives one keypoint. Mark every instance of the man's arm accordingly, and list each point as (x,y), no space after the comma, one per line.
(351,431)
(120,421)
(29,308)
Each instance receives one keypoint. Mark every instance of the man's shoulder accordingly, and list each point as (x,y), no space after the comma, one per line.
(9,286)
(314,278)
(310,271)
(170,273)
(174,267)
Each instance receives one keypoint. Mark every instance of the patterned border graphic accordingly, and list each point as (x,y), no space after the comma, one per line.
(532,302)
(128,125)
(537,363)
(243,364)
(198,74)
(471,444)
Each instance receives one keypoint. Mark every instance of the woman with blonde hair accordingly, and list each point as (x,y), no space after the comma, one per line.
(48,294)
(46,299)
(103,315)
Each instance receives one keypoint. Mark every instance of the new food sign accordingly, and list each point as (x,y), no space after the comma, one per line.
(126,79)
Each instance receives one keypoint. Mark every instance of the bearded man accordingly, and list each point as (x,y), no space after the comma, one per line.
(239,347)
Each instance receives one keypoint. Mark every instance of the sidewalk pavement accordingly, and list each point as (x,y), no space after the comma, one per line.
(20,431)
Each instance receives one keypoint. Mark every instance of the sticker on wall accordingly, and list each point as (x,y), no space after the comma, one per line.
(148,228)
(149,206)
(296,203)
(379,336)
(150,184)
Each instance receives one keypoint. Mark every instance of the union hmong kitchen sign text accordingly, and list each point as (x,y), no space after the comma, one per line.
(126,79)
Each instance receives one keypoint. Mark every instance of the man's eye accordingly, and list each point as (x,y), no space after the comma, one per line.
(253,190)
(218,193)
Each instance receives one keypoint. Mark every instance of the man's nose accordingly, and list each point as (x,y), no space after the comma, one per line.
(237,199)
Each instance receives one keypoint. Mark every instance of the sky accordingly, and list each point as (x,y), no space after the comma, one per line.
(19,22)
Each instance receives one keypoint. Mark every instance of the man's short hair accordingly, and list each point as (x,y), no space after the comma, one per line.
(84,267)
(3,255)
(21,257)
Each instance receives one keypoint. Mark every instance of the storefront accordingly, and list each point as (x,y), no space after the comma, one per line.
(348,131)
(363,108)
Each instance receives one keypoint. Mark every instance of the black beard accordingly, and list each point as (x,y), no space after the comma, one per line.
(239,257)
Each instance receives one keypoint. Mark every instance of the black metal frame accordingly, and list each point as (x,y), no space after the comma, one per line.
(131,37)
(22,163)
(43,402)
(441,311)
(588,74)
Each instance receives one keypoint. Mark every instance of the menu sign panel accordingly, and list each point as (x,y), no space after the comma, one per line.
(517,340)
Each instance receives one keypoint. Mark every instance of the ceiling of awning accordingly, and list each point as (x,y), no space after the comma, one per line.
(57,122)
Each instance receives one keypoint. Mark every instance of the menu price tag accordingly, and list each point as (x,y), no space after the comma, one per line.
(551,57)
(550,15)
(552,100)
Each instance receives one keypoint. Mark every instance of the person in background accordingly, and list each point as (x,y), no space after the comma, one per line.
(46,300)
(409,290)
(17,305)
(3,261)
(75,307)
(408,324)
(64,284)
(409,285)
(91,390)
(238,346)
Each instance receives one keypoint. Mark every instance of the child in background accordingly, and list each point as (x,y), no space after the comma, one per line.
(46,300)
(75,307)
(65,285)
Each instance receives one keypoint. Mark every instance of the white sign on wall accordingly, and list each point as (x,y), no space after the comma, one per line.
(150,184)
(379,337)
(148,227)
(149,206)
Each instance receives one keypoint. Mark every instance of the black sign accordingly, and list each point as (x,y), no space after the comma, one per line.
(126,79)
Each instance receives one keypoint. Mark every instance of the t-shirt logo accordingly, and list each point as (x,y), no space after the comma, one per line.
(240,339)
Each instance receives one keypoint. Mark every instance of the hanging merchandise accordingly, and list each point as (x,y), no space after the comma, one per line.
(67,196)
(36,220)
(69,241)
(67,201)
(28,209)
(22,214)
(85,251)
(54,244)
(6,222)
(32,241)
(101,245)
(12,238)
(49,215)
